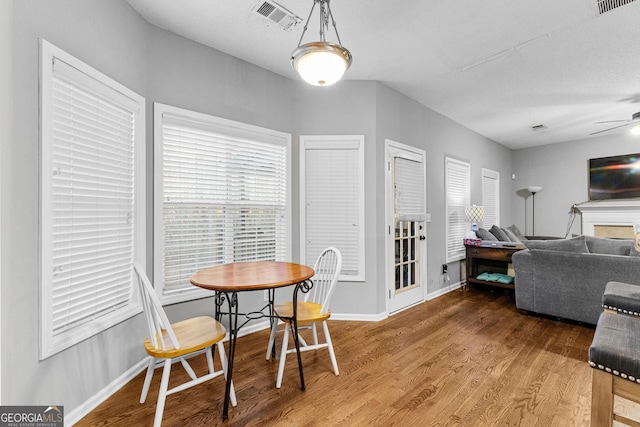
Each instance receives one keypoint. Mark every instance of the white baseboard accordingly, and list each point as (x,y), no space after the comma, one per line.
(359,317)
(81,411)
(445,290)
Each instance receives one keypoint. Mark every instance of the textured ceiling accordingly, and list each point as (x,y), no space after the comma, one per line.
(497,67)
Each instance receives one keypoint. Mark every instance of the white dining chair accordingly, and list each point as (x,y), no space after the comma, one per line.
(312,310)
(167,343)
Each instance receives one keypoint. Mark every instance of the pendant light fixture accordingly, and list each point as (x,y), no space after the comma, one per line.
(321,63)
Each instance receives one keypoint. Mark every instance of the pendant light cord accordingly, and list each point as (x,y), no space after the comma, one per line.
(324,21)
(306,24)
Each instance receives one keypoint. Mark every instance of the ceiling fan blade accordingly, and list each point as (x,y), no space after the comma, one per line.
(607,130)
(613,121)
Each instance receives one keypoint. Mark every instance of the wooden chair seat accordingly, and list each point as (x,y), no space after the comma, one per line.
(308,312)
(193,334)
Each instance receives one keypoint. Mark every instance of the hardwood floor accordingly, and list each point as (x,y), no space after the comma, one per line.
(468,358)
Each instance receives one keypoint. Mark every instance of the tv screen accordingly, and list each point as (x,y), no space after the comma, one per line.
(616,177)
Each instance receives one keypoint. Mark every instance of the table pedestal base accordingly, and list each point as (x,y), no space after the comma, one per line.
(231,298)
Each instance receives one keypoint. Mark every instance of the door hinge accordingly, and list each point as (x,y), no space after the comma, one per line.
(389,293)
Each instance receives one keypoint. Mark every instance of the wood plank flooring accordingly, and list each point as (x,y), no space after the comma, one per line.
(468,358)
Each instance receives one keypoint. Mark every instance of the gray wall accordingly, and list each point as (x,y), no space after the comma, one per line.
(348,108)
(562,171)
(403,120)
(110,37)
(188,75)
(380,113)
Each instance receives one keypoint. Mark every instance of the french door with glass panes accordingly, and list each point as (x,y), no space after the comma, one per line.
(406,217)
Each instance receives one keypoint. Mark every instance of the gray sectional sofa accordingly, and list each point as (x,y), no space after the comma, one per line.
(566,278)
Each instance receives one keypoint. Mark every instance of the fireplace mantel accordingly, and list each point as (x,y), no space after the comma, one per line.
(610,218)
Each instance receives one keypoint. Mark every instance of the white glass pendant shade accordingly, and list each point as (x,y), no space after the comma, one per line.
(321,63)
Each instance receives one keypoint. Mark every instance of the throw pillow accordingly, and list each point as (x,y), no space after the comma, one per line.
(577,245)
(600,245)
(511,235)
(500,235)
(515,230)
(484,234)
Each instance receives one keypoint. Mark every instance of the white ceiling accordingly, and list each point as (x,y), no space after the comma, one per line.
(497,67)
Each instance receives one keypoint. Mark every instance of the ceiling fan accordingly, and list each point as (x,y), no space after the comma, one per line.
(635,118)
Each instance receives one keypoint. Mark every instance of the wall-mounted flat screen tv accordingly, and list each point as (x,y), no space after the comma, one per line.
(616,177)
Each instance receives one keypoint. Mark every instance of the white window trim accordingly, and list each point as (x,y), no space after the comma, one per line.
(334,142)
(491,174)
(228,126)
(459,254)
(49,344)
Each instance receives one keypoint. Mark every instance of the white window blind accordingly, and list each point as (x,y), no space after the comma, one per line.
(223,196)
(410,189)
(458,196)
(490,198)
(92,136)
(332,200)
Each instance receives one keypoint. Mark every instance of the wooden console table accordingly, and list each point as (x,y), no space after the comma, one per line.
(490,257)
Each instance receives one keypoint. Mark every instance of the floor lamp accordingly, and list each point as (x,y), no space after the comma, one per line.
(533,190)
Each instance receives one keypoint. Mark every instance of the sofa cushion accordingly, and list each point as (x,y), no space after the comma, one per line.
(484,234)
(576,245)
(515,230)
(511,235)
(600,245)
(500,235)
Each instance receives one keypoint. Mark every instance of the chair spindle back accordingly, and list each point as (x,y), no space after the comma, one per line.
(157,321)
(327,269)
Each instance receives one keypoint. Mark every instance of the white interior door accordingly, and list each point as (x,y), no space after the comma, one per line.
(406,226)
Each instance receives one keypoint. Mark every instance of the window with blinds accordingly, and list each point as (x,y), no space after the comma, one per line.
(332,200)
(222,195)
(409,189)
(458,197)
(490,198)
(92,160)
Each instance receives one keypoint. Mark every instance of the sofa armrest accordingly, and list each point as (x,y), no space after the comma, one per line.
(524,283)
(622,297)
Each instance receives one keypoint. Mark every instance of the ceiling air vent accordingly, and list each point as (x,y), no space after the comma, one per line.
(278,14)
(538,127)
(607,5)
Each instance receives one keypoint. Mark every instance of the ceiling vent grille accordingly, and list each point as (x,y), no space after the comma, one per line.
(278,14)
(605,6)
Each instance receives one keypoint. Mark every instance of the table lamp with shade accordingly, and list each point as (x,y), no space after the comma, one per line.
(474,214)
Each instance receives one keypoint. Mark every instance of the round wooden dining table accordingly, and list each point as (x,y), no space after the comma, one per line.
(229,279)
